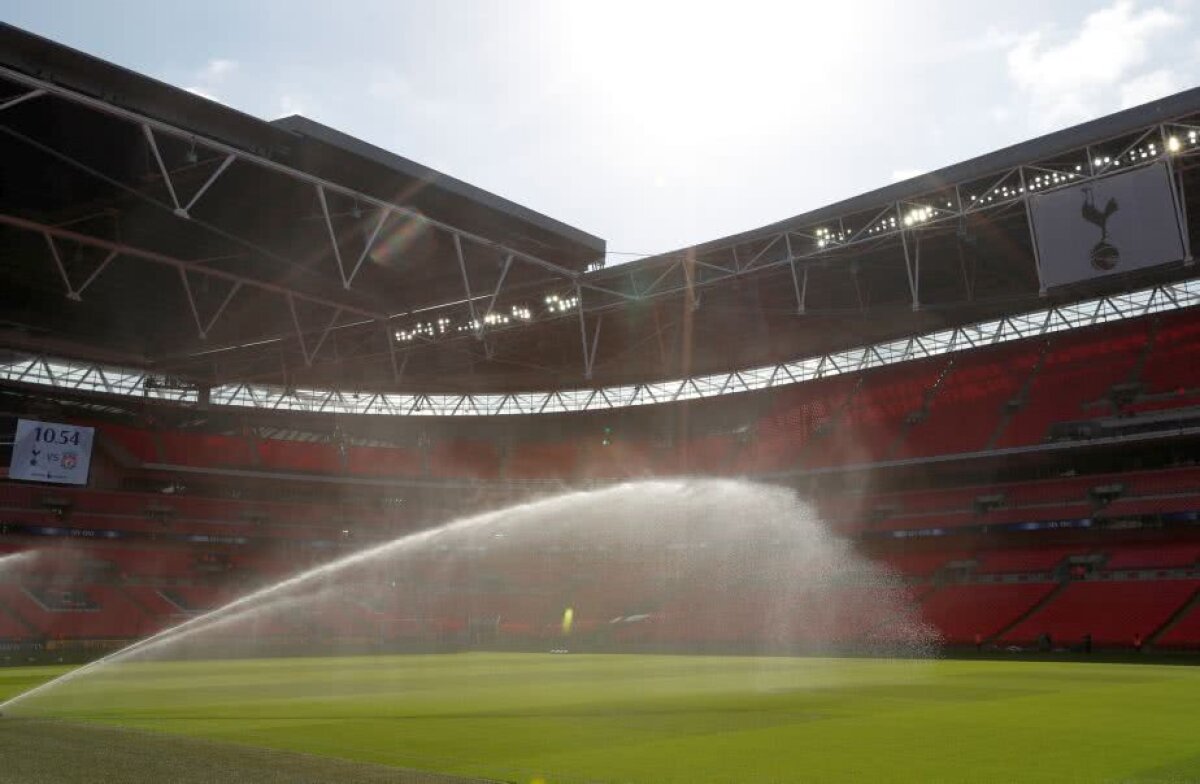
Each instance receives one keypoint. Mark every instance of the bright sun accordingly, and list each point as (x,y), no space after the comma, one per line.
(695,74)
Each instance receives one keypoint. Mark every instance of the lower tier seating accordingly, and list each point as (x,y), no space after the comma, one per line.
(961,612)
(1113,612)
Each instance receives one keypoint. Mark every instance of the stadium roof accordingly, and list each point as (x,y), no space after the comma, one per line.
(194,243)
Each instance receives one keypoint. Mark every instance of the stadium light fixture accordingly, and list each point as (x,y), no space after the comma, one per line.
(1173,144)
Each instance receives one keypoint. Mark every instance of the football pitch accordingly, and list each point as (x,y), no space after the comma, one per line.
(583,718)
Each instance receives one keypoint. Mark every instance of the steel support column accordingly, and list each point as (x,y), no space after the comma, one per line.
(1033,245)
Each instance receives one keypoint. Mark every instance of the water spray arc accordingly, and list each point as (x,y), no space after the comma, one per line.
(725,560)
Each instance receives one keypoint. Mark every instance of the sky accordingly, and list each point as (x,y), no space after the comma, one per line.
(656,124)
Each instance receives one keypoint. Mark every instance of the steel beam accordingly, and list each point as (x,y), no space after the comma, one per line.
(462,267)
(204,327)
(383,216)
(192,266)
(162,168)
(62,270)
(225,164)
(150,124)
(309,355)
(1037,257)
(11,102)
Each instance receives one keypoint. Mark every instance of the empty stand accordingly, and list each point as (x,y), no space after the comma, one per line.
(1080,369)
(1033,559)
(964,413)
(138,444)
(1154,556)
(798,420)
(310,457)
(542,460)
(206,450)
(875,416)
(465,460)
(111,614)
(1112,611)
(1171,376)
(962,611)
(1184,630)
(383,461)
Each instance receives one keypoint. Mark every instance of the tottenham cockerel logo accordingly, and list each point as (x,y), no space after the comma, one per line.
(1105,255)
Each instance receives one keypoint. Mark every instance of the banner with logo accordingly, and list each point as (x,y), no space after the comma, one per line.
(1107,226)
(51,452)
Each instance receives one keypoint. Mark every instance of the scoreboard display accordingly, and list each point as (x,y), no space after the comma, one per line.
(51,452)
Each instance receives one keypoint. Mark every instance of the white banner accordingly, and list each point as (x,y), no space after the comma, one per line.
(51,452)
(1108,226)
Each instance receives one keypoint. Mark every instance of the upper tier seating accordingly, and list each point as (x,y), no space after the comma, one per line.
(874,419)
(964,413)
(1080,368)
(1173,367)
(796,420)
(930,407)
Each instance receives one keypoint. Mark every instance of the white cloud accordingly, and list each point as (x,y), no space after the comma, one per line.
(1149,87)
(217,69)
(203,93)
(1073,79)
(208,79)
(390,88)
(291,104)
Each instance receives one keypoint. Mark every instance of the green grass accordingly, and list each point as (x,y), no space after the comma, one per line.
(520,717)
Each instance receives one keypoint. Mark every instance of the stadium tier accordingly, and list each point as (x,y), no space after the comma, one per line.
(1071,386)
(179,520)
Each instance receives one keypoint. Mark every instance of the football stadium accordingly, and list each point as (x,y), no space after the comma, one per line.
(317,464)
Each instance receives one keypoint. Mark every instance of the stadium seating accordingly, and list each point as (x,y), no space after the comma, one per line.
(1153,556)
(138,444)
(1184,632)
(875,416)
(464,459)
(1025,560)
(618,459)
(11,628)
(1079,370)
(1112,611)
(797,418)
(542,460)
(205,450)
(111,614)
(964,413)
(960,612)
(1172,370)
(383,461)
(707,455)
(308,457)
